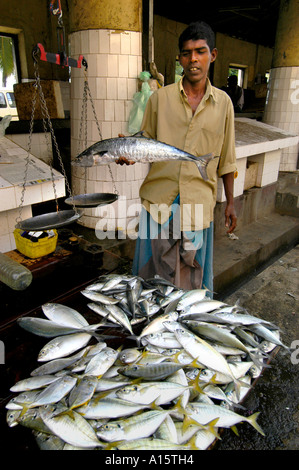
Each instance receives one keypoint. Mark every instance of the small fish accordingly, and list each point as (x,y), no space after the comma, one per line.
(203,414)
(70,426)
(62,346)
(64,315)
(83,392)
(138,149)
(57,365)
(190,297)
(120,316)
(50,329)
(48,441)
(142,425)
(151,443)
(100,407)
(54,392)
(12,417)
(150,372)
(101,362)
(99,297)
(33,383)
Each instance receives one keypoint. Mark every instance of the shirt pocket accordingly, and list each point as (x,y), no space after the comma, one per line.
(211,141)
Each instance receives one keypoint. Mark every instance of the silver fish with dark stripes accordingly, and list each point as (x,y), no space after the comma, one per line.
(137,148)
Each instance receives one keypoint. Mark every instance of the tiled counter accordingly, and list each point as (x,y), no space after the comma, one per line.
(39,188)
(260,144)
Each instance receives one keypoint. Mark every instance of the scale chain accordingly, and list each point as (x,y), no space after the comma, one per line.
(19,218)
(45,113)
(86,92)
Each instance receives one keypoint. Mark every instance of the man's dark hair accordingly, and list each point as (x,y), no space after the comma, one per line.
(198,30)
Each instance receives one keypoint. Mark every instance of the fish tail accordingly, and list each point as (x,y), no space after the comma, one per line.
(238,384)
(190,421)
(191,444)
(203,163)
(253,421)
(194,384)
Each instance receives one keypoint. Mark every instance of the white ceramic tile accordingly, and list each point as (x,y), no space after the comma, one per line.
(4,228)
(119,110)
(132,87)
(122,89)
(101,88)
(135,43)
(12,241)
(115,42)
(7,199)
(106,130)
(113,65)
(116,128)
(133,66)
(111,89)
(5,243)
(125,43)
(93,41)
(109,110)
(92,62)
(123,66)
(104,41)
(102,65)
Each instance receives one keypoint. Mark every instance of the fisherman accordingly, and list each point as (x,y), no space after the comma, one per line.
(198,118)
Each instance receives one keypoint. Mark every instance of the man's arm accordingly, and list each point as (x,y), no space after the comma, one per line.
(230,213)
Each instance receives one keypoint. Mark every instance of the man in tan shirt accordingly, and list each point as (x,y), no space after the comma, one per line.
(198,118)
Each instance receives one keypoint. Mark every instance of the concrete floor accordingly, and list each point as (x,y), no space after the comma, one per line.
(273,294)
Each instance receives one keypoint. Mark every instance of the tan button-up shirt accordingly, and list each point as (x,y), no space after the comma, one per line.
(169,118)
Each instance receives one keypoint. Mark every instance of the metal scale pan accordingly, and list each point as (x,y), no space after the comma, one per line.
(91,200)
(49,221)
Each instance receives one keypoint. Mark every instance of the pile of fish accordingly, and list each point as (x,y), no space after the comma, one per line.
(192,361)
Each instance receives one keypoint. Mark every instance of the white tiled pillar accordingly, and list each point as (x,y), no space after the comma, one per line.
(282,109)
(114,63)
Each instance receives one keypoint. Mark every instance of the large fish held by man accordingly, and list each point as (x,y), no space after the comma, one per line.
(137,148)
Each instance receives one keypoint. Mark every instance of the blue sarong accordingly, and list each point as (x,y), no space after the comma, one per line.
(186,259)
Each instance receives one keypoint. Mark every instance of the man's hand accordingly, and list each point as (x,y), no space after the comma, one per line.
(123,160)
(230,213)
(230,218)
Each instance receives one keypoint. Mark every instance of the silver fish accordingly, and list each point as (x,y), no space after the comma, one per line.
(33,383)
(71,427)
(54,392)
(83,392)
(151,371)
(137,149)
(50,329)
(142,425)
(62,346)
(64,315)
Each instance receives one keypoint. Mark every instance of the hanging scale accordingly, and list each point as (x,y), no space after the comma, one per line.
(59,218)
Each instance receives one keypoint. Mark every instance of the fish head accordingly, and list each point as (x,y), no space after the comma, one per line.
(110,431)
(46,352)
(84,159)
(129,390)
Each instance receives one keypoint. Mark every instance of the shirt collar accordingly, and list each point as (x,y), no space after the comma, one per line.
(209,90)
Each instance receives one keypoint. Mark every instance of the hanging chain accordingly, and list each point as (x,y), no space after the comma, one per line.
(46,120)
(86,92)
(19,218)
(83,122)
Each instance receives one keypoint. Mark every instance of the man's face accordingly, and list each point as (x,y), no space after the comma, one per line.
(195,58)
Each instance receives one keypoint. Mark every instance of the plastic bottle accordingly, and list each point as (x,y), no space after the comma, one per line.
(13,274)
